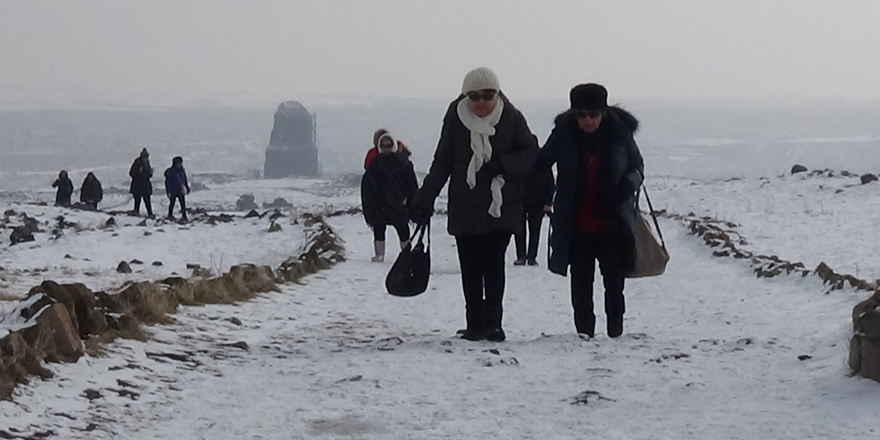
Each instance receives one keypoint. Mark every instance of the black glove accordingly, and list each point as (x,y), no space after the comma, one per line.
(624,191)
(420,215)
(490,169)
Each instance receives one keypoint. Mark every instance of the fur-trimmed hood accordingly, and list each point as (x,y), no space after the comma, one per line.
(394,147)
(622,121)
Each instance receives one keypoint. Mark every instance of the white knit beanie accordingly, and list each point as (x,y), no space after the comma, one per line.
(479,79)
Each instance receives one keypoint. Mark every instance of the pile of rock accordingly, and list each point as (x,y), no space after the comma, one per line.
(723,235)
(864,349)
(55,319)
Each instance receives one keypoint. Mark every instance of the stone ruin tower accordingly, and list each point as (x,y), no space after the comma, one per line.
(292,150)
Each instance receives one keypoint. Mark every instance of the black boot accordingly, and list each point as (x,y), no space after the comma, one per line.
(492,320)
(473,335)
(475,330)
(615,326)
(496,335)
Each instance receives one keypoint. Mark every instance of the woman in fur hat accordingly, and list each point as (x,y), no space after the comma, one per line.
(599,169)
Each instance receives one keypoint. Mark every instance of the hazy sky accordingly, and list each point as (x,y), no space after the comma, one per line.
(249,51)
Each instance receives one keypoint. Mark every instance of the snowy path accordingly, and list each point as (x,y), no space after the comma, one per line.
(709,352)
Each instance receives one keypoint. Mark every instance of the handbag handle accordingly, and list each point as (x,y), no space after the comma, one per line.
(421,230)
(651,208)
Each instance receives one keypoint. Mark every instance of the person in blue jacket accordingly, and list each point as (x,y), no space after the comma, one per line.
(176,187)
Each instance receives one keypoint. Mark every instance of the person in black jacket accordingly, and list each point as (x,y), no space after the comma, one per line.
(599,168)
(91,192)
(65,189)
(387,189)
(176,187)
(537,203)
(141,187)
(486,150)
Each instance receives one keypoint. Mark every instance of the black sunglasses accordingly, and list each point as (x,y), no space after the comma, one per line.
(386,146)
(487,95)
(592,114)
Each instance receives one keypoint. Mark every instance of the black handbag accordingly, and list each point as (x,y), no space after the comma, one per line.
(410,273)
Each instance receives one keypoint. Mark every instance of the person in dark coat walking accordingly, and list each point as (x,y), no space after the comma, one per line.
(141,187)
(486,150)
(65,189)
(599,168)
(387,189)
(540,187)
(91,193)
(176,187)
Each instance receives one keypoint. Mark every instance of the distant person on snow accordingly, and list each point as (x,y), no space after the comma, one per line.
(485,151)
(176,187)
(141,187)
(374,151)
(539,189)
(387,189)
(65,189)
(599,169)
(91,192)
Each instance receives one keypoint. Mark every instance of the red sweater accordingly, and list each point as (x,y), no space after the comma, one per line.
(585,218)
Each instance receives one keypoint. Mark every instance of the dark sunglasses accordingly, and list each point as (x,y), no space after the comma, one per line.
(386,146)
(592,114)
(487,95)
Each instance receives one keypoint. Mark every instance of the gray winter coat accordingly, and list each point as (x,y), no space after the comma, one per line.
(619,159)
(515,146)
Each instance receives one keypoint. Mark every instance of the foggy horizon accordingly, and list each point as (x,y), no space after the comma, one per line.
(227,53)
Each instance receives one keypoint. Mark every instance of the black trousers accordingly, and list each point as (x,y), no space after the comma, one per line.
(586,249)
(532,217)
(481,258)
(147,203)
(182,199)
(402,228)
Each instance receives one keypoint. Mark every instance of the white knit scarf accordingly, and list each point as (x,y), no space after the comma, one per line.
(481,129)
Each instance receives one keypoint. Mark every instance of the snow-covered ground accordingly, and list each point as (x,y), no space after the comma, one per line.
(799,218)
(709,351)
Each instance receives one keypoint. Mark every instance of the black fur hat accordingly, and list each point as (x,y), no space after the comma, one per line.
(588,97)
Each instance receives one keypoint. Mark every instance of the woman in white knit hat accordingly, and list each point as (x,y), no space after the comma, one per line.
(485,151)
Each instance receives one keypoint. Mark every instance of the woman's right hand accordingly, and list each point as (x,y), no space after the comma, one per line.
(420,215)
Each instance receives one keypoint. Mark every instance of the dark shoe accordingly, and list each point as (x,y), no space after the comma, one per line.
(519,262)
(496,335)
(532,263)
(473,335)
(615,327)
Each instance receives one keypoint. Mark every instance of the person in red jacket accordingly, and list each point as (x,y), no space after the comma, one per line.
(373,152)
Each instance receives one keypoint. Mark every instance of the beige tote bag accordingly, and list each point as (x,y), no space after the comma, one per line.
(651,255)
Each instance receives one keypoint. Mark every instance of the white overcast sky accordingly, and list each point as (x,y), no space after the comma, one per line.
(415,48)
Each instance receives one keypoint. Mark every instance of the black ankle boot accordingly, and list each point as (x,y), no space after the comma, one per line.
(473,335)
(496,335)
(615,326)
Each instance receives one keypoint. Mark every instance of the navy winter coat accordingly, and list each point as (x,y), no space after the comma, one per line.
(175,181)
(619,159)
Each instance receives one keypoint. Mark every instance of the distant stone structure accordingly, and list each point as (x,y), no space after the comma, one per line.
(292,150)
